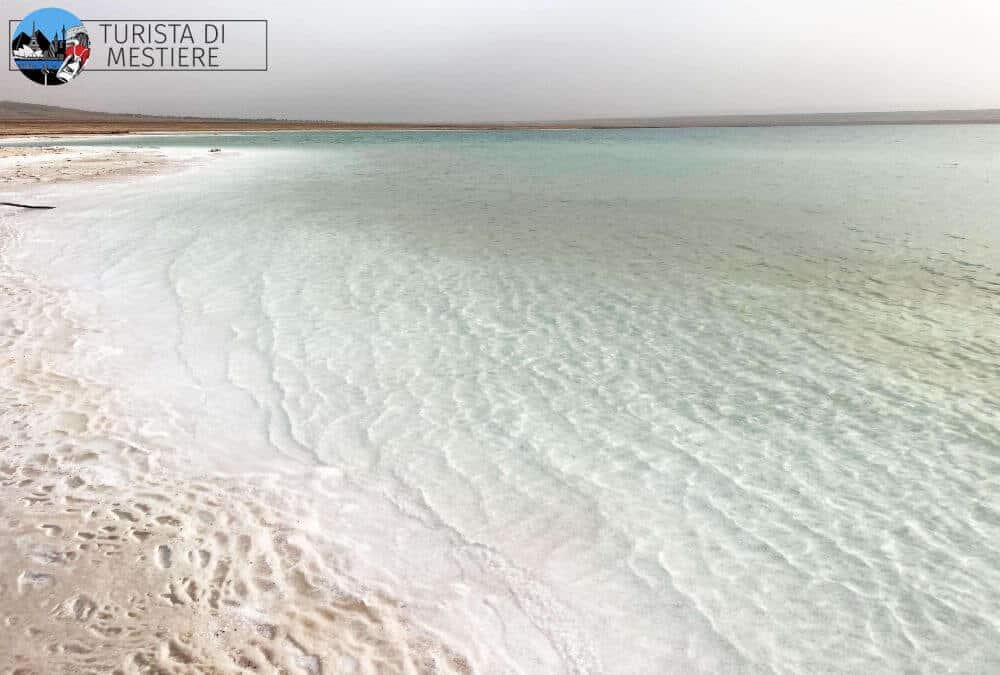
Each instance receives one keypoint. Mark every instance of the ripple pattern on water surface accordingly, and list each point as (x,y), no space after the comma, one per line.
(728,398)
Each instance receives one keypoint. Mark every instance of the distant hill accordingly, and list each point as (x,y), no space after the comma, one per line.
(990,116)
(15,111)
(29,118)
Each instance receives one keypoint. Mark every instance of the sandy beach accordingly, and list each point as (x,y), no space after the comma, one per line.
(24,166)
(112,558)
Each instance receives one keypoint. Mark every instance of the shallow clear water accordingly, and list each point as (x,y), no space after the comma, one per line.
(700,399)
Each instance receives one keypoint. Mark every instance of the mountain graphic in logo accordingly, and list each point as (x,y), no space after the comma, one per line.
(50,46)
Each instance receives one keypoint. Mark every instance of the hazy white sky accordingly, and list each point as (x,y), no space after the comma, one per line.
(469,60)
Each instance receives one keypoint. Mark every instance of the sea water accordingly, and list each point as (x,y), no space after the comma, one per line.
(639,401)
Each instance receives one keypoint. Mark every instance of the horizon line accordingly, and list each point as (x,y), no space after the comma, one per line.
(944,115)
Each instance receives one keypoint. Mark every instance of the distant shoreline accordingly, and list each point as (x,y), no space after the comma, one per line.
(15,130)
(23,119)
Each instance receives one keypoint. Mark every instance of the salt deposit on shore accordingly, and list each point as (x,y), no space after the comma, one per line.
(21,166)
(112,558)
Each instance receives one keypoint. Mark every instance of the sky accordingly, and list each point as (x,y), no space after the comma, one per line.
(487,60)
(49,20)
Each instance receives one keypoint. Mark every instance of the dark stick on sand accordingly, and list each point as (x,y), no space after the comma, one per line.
(25,206)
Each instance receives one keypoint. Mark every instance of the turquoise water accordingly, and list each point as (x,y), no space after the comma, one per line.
(719,400)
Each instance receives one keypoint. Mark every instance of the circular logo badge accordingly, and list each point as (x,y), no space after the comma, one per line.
(50,46)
